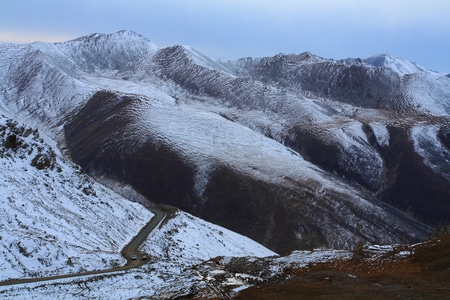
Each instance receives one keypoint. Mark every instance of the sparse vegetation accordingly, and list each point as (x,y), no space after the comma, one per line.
(405,272)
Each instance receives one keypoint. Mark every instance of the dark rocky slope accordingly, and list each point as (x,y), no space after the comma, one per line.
(351,82)
(405,272)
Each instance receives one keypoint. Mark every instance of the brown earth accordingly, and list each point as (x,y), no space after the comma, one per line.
(423,274)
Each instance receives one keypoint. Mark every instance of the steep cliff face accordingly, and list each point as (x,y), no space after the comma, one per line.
(269,147)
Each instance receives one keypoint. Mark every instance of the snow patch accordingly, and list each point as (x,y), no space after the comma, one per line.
(429,147)
(381,133)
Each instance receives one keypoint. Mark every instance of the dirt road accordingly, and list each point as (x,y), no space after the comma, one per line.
(132,248)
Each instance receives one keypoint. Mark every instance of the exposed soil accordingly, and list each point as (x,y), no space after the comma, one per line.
(408,272)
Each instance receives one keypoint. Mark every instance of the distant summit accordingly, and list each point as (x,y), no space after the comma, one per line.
(398,65)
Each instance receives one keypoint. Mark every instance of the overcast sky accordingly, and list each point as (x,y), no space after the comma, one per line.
(418,30)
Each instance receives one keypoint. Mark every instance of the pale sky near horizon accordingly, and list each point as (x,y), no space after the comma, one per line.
(418,30)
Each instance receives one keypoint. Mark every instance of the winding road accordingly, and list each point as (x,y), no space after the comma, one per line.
(160,213)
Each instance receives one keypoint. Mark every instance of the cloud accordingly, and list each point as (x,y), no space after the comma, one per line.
(29,36)
(382,13)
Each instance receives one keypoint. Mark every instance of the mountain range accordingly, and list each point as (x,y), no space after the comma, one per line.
(292,151)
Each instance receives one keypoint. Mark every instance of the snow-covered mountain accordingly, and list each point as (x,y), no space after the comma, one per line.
(294,151)
(56,220)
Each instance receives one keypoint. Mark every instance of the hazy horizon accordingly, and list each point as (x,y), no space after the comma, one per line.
(416,30)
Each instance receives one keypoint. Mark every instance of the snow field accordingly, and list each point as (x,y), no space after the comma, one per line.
(188,240)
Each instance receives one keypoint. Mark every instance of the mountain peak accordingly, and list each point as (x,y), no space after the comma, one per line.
(398,65)
(127,32)
(122,34)
(203,60)
(379,60)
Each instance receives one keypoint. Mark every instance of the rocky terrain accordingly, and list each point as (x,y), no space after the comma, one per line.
(419,271)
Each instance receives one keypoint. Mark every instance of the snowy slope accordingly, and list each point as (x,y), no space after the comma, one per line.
(209,140)
(428,145)
(44,82)
(398,65)
(55,219)
(186,240)
(205,144)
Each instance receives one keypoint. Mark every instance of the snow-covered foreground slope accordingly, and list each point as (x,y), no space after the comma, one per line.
(55,219)
(187,240)
(177,266)
(175,250)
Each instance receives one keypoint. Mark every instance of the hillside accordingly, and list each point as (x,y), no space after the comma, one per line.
(293,151)
(419,271)
(56,220)
(284,175)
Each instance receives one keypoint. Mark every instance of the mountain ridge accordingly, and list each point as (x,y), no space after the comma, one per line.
(283,154)
(327,113)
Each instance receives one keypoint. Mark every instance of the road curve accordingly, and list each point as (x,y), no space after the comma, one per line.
(133,246)
(160,213)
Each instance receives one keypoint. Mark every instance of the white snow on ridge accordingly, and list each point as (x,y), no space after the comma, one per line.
(301,258)
(206,138)
(189,240)
(398,65)
(47,81)
(38,89)
(431,91)
(109,52)
(381,133)
(128,87)
(203,60)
